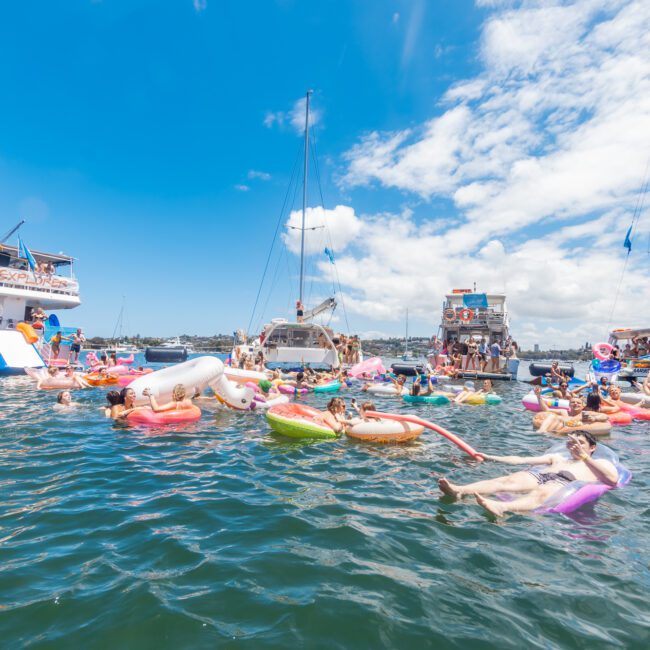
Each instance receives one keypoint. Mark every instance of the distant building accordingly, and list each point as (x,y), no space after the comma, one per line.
(536,347)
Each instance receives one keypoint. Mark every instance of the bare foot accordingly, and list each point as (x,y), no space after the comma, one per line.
(449,488)
(489,504)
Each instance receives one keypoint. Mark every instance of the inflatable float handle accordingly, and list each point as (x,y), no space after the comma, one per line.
(429,425)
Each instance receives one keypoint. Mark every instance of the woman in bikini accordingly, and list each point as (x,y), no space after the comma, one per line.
(179,402)
(334,416)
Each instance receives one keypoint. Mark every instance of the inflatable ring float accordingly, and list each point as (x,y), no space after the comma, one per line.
(426,399)
(95,379)
(384,431)
(147,415)
(602,351)
(449,314)
(299,421)
(330,387)
(489,398)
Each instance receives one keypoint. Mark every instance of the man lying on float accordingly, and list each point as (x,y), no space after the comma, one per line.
(534,485)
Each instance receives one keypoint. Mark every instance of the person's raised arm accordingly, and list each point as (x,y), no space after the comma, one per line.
(155,407)
(603,470)
(547,459)
(543,406)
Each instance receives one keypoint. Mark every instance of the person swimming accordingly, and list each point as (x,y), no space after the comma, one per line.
(126,404)
(563,420)
(534,484)
(64,401)
(179,402)
(334,416)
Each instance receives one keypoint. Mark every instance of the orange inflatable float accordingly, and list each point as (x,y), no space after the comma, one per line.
(97,379)
(28,332)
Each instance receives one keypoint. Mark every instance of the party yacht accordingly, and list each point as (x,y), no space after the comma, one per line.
(31,281)
(466,313)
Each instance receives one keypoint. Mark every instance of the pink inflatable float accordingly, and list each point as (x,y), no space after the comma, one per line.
(372,366)
(149,416)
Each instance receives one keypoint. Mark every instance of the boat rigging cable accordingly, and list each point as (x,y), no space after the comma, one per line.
(329,239)
(635,219)
(275,236)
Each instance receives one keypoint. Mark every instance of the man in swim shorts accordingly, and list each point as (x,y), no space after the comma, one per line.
(77,340)
(536,484)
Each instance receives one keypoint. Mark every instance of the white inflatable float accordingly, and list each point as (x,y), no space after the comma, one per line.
(635,398)
(195,375)
(387,389)
(240,376)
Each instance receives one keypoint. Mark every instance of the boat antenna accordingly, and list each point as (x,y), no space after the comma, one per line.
(12,231)
(304,196)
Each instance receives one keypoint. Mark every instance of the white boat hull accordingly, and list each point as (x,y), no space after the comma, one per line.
(16,354)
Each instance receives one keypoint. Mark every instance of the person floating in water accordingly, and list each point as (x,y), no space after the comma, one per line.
(534,486)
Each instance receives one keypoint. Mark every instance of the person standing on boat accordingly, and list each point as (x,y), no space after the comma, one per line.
(483,354)
(300,311)
(495,356)
(464,349)
(472,351)
(78,339)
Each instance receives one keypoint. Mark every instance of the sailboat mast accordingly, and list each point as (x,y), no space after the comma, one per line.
(406,338)
(304,195)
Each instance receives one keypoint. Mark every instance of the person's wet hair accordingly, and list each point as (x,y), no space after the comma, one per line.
(593,402)
(114,398)
(588,436)
(335,403)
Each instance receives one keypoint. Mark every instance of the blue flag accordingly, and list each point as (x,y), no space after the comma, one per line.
(628,242)
(25,253)
(329,254)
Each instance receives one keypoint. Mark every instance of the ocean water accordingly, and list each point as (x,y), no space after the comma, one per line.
(221,534)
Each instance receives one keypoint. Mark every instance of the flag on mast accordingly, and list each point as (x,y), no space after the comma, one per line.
(25,253)
(329,254)
(628,242)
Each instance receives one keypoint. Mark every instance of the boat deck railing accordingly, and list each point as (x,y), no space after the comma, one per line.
(21,279)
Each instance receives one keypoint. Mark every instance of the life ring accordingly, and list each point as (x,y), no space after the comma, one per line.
(449,313)
(466,315)
(602,351)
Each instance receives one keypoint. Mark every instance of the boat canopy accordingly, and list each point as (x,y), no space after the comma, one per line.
(629,333)
(10,254)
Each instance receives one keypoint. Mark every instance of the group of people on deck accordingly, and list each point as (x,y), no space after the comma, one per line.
(472,354)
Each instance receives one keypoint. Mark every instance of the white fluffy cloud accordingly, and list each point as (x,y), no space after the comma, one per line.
(333,229)
(542,155)
(294,117)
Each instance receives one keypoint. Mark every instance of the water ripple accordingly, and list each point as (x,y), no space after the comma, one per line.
(221,533)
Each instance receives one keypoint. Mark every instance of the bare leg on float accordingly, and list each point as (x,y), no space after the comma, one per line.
(527,503)
(517,482)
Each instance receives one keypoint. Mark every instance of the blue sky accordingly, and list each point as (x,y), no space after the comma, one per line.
(154,142)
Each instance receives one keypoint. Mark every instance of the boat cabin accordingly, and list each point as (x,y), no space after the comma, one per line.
(634,344)
(466,313)
(52,286)
(283,342)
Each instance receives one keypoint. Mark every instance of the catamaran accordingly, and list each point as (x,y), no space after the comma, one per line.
(300,342)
